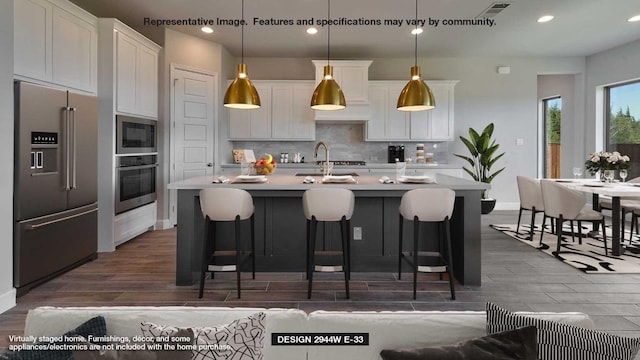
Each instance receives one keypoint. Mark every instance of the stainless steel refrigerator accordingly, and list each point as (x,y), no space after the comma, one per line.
(55,187)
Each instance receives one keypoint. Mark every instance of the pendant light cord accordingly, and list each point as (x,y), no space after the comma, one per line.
(415,51)
(328,31)
(242,34)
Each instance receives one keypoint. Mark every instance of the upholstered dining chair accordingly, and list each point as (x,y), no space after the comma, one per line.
(627,206)
(564,204)
(531,199)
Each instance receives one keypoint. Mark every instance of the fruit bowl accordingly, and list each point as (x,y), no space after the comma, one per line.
(265,169)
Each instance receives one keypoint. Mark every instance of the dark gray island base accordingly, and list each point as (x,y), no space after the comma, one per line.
(281,226)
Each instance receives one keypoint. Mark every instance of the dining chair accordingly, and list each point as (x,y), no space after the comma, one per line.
(564,204)
(627,206)
(531,200)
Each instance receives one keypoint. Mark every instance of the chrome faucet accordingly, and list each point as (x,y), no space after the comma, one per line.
(325,168)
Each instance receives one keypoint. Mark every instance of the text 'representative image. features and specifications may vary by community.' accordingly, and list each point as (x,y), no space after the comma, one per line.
(341,21)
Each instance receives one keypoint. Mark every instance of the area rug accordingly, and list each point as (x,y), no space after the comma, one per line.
(588,256)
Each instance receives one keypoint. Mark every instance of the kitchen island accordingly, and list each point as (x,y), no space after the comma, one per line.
(281,226)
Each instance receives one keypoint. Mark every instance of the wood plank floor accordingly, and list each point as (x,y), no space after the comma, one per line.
(516,276)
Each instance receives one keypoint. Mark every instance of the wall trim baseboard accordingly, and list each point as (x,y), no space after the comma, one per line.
(7,300)
(163,224)
(507,206)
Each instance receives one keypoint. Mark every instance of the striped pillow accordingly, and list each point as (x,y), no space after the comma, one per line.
(562,341)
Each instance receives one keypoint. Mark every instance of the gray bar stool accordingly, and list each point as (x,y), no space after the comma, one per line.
(226,204)
(431,206)
(328,204)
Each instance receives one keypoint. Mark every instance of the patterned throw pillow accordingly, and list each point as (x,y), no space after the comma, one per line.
(519,344)
(558,341)
(241,339)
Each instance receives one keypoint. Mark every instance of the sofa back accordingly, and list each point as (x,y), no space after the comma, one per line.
(126,320)
(386,329)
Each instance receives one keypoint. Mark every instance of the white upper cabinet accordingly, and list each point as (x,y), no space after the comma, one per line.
(136,73)
(353,77)
(55,42)
(389,124)
(285,113)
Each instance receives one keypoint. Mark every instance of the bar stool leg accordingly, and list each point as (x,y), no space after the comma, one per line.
(519,217)
(253,246)
(349,247)
(416,230)
(580,232)
(312,250)
(238,247)
(345,253)
(205,257)
(400,248)
(447,234)
(308,247)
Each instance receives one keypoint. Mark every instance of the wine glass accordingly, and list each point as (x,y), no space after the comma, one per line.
(623,175)
(577,172)
(608,176)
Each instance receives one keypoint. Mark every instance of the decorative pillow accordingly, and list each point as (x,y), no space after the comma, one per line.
(95,326)
(144,351)
(562,341)
(518,344)
(241,339)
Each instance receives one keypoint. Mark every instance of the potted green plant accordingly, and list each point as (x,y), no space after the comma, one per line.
(483,155)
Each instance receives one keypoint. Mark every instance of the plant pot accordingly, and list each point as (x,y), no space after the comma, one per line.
(487,205)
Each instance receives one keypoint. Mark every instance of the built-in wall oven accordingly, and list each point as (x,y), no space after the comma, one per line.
(135,135)
(136,181)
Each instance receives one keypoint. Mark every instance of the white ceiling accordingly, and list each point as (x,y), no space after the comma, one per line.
(580,27)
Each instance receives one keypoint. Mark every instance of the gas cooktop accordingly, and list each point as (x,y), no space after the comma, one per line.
(344,162)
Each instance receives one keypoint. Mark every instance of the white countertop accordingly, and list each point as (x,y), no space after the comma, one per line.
(291,182)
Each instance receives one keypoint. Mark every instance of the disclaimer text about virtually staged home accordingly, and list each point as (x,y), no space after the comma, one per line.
(342,21)
(170,343)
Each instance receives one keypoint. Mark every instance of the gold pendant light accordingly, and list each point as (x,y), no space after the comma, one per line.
(416,95)
(241,94)
(328,95)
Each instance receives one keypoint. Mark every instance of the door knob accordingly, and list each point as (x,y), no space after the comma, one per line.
(209,164)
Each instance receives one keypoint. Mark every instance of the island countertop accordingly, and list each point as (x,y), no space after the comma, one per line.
(292,182)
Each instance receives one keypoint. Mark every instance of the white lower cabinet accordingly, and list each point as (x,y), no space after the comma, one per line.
(134,222)
(389,124)
(285,113)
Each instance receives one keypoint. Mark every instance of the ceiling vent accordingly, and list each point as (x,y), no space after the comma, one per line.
(493,10)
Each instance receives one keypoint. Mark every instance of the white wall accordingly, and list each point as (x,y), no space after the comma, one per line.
(7,292)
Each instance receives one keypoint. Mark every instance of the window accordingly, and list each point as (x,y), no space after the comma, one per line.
(622,104)
(552,122)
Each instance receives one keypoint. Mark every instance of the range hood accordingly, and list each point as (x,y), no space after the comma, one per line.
(353,78)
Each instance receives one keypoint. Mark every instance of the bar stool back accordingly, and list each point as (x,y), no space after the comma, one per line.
(328,204)
(224,205)
(431,206)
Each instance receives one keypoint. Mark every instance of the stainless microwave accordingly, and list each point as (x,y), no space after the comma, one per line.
(135,135)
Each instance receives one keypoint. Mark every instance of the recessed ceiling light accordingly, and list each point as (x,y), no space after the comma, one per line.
(312,30)
(545,18)
(207,29)
(416,31)
(634,18)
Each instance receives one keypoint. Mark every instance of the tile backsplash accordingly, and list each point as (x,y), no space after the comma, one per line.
(346,142)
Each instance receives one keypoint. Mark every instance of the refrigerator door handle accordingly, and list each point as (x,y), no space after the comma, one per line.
(67,148)
(73,151)
(37,226)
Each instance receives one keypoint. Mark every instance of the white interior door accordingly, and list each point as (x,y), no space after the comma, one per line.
(193,108)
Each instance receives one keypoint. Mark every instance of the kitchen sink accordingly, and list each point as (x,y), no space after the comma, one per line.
(333,173)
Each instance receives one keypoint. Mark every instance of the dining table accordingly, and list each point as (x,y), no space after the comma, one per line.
(615,190)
